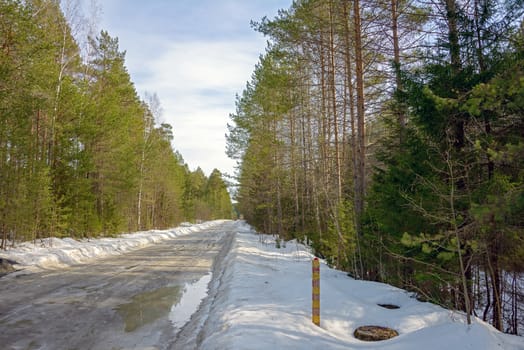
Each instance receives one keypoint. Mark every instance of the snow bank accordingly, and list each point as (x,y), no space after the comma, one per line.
(58,253)
(261,298)
(264,302)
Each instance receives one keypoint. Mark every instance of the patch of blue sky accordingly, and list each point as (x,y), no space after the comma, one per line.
(196,55)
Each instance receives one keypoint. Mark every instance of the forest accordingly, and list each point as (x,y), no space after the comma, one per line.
(389,134)
(81,154)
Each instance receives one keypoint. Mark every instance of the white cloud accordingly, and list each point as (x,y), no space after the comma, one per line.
(206,64)
(196,55)
(197,82)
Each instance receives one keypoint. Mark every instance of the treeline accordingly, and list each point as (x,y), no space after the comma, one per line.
(390,135)
(81,154)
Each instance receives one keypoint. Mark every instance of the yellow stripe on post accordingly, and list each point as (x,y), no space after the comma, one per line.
(316,292)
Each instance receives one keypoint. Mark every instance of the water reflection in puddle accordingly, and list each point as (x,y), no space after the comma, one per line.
(148,307)
(193,295)
(176,302)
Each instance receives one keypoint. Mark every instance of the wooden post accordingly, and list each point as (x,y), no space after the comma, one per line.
(316,292)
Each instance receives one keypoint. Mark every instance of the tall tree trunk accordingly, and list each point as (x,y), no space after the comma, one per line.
(294,171)
(306,142)
(401,119)
(324,124)
(458,127)
(350,100)
(453,34)
(494,270)
(488,296)
(334,105)
(396,46)
(361,144)
(515,303)
(482,68)
(3,232)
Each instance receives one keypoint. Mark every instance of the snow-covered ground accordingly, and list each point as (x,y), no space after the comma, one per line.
(51,253)
(264,302)
(261,299)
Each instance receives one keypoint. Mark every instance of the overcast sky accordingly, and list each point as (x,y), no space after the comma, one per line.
(195,55)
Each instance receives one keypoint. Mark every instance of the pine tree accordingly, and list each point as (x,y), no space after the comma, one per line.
(445,172)
(115,118)
(217,197)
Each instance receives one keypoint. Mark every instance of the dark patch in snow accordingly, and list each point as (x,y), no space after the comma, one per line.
(389,306)
(374,333)
(6,266)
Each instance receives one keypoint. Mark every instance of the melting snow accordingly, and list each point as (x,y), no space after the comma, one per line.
(264,302)
(263,298)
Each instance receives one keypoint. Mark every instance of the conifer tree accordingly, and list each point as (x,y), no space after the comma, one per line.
(217,197)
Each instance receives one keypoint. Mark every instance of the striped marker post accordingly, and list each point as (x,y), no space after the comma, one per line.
(316,292)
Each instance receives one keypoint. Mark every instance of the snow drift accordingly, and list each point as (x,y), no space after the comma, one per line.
(53,253)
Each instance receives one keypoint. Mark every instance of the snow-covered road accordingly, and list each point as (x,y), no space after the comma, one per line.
(135,300)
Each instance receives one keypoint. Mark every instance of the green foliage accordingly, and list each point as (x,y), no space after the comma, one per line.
(254,139)
(206,198)
(339,243)
(452,187)
(80,154)
(444,150)
(217,197)
(441,246)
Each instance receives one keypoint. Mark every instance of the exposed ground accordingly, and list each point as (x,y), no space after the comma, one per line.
(129,301)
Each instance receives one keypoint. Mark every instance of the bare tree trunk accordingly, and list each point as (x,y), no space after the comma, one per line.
(334,106)
(396,46)
(480,48)
(401,119)
(514,304)
(488,298)
(148,125)
(306,152)
(294,172)
(494,270)
(323,137)
(4,237)
(453,37)
(140,187)
(350,100)
(279,208)
(361,144)
(454,214)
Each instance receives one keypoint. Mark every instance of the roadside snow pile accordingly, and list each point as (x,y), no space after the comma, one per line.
(264,302)
(57,253)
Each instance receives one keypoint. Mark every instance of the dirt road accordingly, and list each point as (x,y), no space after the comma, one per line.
(138,300)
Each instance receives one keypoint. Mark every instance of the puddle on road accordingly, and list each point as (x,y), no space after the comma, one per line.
(177,303)
(194,294)
(148,307)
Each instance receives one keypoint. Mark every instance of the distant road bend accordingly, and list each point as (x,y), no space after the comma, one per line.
(124,302)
